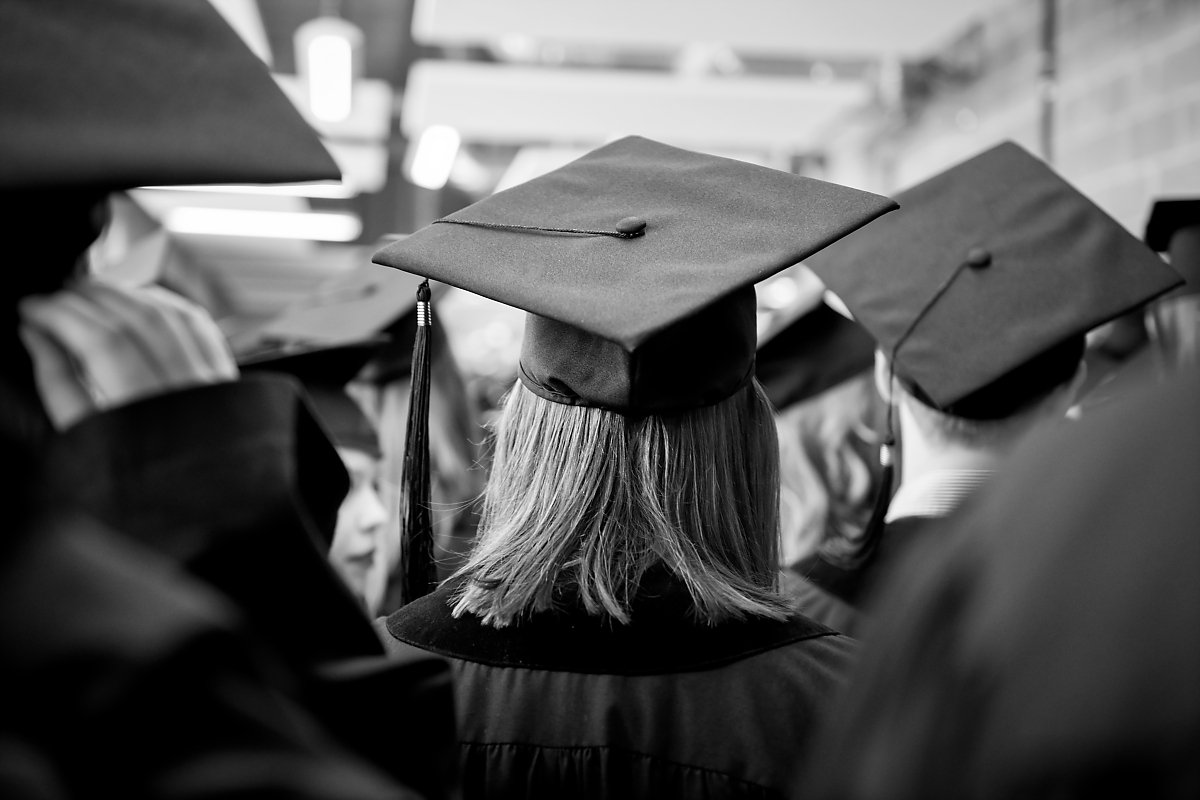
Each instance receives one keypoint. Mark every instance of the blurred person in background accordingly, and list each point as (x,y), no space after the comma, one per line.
(1051,648)
(373,309)
(132,404)
(1174,230)
(364,522)
(979,293)
(817,371)
(617,629)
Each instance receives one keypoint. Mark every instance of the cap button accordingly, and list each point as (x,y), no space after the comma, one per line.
(978,257)
(631,226)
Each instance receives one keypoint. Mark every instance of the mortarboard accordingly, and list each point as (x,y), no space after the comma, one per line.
(817,351)
(362,302)
(365,301)
(993,269)
(1174,228)
(324,371)
(982,288)
(636,265)
(110,94)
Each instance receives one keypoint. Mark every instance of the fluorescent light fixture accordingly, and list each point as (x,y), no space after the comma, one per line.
(318,226)
(330,77)
(337,191)
(326,50)
(434,157)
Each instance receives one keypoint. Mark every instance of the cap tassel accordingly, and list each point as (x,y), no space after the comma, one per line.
(416,526)
(873,530)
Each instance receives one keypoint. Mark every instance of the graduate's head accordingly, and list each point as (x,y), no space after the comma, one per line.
(996,417)
(636,265)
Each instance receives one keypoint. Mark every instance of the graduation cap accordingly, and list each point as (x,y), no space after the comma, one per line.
(367,301)
(981,289)
(324,371)
(1174,228)
(110,94)
(362,302)
(817,351)
(636,265)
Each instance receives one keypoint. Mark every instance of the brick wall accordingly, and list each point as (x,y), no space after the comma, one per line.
(1124,113)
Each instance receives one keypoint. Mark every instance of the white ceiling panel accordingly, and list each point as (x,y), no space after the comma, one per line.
(844,28)
(507,104)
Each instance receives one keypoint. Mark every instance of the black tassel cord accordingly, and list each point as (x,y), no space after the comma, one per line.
(416,526)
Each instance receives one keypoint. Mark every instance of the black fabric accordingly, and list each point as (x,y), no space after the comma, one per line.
(1052,648)
(121,677)
(238,483)
(595,773)
(661,638)
(572,367)
(1174,229)
(1018,388)
(121,93)
(713,226)
(854,585)
(324,372)
(1167,216)
(397,712)
(817,351)
(696,711)
(987,265)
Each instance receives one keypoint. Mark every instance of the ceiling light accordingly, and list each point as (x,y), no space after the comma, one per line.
(318,226)
(326,189)
(434,157)
(327,52)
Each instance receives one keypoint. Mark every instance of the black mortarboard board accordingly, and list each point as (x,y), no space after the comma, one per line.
(990,266)
(636,264)
(363,302)
(107,94)
(324,371)
(1174,228)
(817,351)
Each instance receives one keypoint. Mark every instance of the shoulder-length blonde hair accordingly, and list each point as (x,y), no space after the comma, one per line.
(581,502)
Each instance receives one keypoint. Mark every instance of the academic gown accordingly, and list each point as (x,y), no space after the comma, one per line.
(836,596)
(120,677)
(237,483)
(564,705)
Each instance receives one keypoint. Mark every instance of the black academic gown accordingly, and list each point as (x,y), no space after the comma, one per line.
(836,596)
(120,677)
(239,485)
(563,705)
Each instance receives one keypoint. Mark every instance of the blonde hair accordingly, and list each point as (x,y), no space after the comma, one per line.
(582,502)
